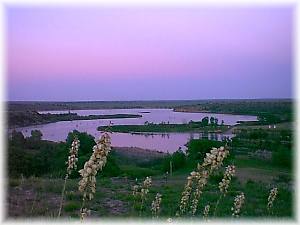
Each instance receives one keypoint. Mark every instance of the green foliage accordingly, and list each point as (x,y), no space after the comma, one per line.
(197,148)
(137,172)
(205,121)
(111,168)
(282,157)
(17,138)
(35,157)
(178,160)
(269,111)
(268,118)
(36,135)
(87,141)
(27,163)
(71,206)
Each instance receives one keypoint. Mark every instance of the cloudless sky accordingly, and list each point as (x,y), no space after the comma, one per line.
(69,53)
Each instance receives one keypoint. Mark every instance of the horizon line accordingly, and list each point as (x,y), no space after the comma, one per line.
(161,100)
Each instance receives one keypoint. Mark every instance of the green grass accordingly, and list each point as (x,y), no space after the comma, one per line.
(72,206)
(255,205)
(245,162)
(138,172)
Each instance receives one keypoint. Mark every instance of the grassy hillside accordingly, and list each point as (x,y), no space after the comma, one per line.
(37,168)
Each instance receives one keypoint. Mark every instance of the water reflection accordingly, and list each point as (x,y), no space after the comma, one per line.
(166,142)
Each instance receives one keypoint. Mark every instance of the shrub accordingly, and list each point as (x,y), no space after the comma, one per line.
(178,160)
(282,157)
(71,206)
(197,148)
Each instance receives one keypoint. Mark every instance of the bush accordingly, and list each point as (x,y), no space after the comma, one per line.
(282,157)
(111,168)
(178,160)
(197,149)
(87,141)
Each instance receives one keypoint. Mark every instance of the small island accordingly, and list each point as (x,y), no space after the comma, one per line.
(205,125)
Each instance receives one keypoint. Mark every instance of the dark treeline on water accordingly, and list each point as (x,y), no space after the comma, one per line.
(77,105)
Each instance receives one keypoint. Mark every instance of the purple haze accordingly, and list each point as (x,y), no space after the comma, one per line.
(74,53)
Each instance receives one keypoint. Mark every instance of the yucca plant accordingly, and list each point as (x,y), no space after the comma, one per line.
(72,165)
(98,159)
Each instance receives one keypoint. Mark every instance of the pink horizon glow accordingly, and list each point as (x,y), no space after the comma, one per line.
(88,46)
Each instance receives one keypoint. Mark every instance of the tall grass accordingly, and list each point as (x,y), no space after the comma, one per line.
(191,196)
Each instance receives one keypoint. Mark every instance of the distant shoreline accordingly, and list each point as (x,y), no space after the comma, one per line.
(214,112)
(143,104)
(31,118)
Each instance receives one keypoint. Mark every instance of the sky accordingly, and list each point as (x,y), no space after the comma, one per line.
(84,53)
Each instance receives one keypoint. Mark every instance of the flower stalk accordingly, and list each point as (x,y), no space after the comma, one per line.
(98,159)
(72,165)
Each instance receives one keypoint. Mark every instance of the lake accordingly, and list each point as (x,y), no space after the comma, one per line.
(165,142)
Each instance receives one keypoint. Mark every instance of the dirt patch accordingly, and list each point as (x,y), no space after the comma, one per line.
(260,175)
(27,202)
(115,207)
(139,152)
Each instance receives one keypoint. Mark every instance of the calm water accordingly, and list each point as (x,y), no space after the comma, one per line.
(162,142)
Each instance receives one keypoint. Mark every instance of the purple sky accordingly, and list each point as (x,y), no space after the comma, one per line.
(74,53)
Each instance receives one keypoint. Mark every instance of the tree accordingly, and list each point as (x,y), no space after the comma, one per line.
(212,120)
(216,121)
(204,121)
(36,135)
(178,160)
(17,138)
(35,140)
(197,148)
(87,141)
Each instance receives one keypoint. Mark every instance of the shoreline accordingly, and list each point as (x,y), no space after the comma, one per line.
(214,112)
(25,119)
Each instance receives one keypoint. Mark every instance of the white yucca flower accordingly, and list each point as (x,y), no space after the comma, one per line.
(224,184)
(72,159)
(140,191)
(185,196)
(212,161)
(84,212)
(155,206)
(215,158)
(145,187)
(87,184)
(238,203)
(272,197)
(201,182)
(206,211)
(135,190)
(98,159)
